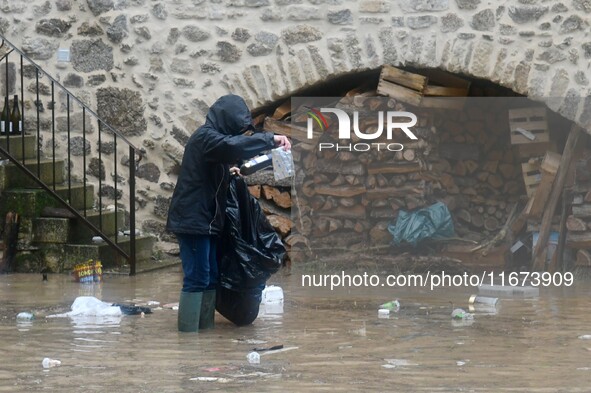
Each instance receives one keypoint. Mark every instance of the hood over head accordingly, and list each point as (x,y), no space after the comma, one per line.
(230,115)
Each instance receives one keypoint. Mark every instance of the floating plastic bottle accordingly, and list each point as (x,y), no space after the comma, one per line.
(253,358)
(459,313)
(49,363)
(25,316)
(394,305)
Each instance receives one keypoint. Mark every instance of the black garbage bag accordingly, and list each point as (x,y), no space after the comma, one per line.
(250,252)
(239,307)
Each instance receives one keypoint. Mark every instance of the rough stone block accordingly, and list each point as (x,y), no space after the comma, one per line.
(483,20)
(374,6)
(300,34)
(424,5)
(450,23)
(91,55)
(421,22)
(527,13)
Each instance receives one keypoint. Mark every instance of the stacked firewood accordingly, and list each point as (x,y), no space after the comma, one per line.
(344,200)
(477,171)
(275,200)
(578,223)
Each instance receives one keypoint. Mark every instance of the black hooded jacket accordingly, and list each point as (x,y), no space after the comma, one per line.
(198,203)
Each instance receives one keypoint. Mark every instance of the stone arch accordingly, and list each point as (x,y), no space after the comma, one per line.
(527,71)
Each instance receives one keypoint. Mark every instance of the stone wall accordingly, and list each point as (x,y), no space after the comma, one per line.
(153,67)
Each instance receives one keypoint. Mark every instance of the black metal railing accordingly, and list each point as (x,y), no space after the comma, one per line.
(35,121)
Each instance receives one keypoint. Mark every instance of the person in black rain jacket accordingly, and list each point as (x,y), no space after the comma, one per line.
(197,209)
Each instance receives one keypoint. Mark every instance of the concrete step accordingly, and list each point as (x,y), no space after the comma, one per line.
(15,146)
(78,253)
(29,202)
(12,177)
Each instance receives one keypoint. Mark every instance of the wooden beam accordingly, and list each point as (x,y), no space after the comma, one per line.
(557,260)
(542,191)
(565,162)
(404,78)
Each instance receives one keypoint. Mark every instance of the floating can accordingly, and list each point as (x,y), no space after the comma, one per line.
(475,299)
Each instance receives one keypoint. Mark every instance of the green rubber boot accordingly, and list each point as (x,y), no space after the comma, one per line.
(206,319)
(189,311)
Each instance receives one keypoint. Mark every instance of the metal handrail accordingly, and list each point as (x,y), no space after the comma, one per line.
(23,54)
(133,151)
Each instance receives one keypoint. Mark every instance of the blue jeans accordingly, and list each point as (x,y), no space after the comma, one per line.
(198,257)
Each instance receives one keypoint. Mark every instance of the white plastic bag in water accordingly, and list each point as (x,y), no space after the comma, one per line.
(282,163)
(89,306)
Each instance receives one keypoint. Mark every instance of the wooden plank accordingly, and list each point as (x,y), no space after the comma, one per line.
(453,103)
(340,191)
(528,150)
(558,257)
(282,110)
(400,93)
(582,211)
(404,78)
(354,212)
(446,79)
(339,167)
(525,114)
(541,193)
(391,192)
(399,168)
(532,177)
(565,162)
(578,240)
(283,128)
(532,120)
(443,91)
(551,162)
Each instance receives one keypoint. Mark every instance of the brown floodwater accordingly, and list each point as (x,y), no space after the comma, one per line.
(335,341)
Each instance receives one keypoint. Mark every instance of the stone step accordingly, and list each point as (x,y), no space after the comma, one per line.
(78,253)
(29,202)
(51,230)
(66,230)
(15,146)
(12,177)
(80,233)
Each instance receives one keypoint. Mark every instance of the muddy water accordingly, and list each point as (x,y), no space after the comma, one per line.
(341,344)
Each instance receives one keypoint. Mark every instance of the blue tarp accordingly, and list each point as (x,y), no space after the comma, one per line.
(433,222)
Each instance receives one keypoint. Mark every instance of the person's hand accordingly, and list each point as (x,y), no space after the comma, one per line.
(282,141)
(235,171)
